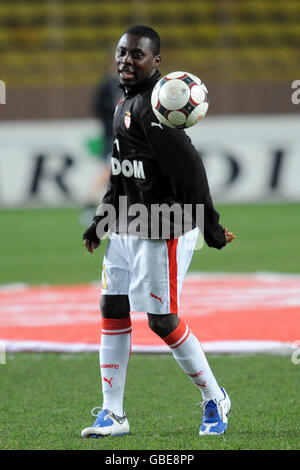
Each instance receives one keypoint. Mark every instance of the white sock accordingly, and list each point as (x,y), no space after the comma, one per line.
(114,354)
(189,354)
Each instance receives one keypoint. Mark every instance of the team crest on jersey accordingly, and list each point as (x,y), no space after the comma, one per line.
(127,119)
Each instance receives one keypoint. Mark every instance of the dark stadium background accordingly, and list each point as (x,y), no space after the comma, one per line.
(54,52)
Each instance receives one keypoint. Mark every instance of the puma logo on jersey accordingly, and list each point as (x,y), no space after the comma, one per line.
(128,168)
(158,124)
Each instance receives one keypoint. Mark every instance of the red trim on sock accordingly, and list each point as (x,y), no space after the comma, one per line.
(172,253)
(183,340)
(180,333)
(114,326)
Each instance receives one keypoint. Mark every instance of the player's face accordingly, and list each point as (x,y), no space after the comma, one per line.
(134,59)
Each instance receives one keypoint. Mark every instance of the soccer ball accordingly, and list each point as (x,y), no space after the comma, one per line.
(179,100)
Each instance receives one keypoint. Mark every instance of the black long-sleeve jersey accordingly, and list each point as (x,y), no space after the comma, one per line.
(152,165)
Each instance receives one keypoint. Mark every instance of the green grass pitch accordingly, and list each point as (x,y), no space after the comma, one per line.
(45,246)
(46,398)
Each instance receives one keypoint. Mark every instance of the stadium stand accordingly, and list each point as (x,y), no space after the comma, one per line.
(65,44)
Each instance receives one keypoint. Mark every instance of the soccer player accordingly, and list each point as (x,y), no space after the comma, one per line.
(151,164)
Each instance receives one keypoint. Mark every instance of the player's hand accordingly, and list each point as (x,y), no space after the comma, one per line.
(91,246)
(229,236)
(90,238)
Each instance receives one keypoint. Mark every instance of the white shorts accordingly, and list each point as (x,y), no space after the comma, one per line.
(150,272)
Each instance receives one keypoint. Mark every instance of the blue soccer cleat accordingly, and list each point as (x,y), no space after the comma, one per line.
(215,414)
(106,424)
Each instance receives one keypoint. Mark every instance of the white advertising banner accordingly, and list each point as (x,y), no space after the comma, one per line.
(251,159)
(247,158)
(47,163)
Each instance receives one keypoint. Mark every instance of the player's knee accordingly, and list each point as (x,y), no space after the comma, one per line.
(162,325)
(114,306)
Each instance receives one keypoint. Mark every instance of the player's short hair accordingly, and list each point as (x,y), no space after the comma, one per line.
(146,32)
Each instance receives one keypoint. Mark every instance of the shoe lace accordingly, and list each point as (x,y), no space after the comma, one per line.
(96,410)
(109,414)
(216,402)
